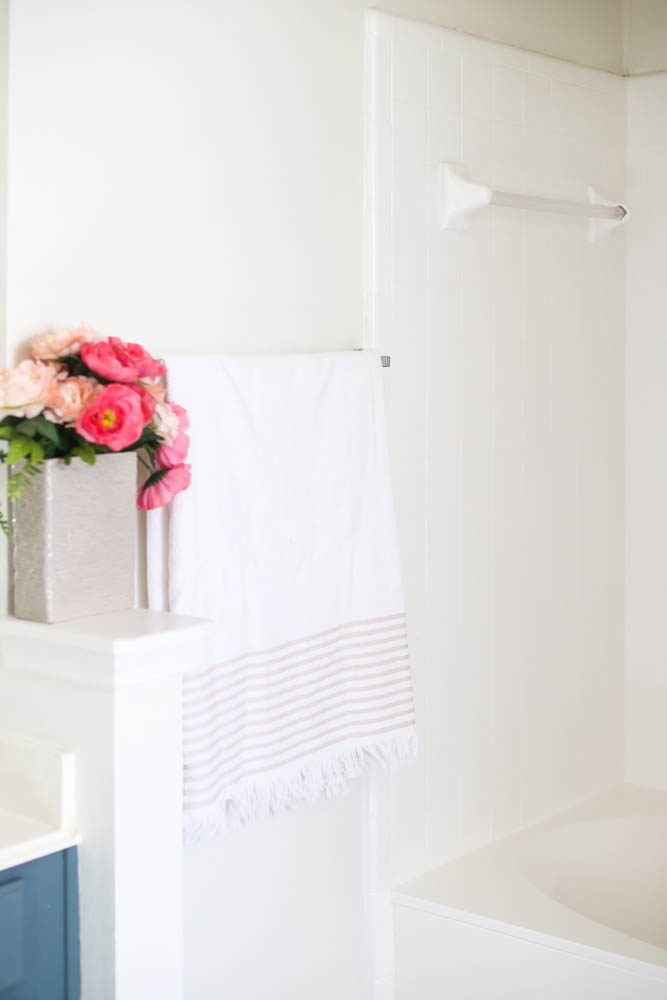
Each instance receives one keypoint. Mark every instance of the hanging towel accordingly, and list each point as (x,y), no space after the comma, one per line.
(287,539)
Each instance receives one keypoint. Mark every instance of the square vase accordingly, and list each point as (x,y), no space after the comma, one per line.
(74,540)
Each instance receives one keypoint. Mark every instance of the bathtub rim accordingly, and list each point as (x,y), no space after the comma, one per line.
(634,955)
(589,953)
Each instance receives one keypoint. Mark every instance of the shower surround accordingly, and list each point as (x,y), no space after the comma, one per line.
(506,402)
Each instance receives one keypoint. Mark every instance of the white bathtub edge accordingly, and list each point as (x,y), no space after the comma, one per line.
(638,967)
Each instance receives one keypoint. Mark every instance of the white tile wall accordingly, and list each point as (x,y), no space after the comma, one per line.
(506,424)
(646,489)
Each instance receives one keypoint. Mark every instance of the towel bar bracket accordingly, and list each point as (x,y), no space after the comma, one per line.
(385,359)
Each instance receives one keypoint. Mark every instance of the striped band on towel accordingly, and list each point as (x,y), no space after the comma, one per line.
(284,725)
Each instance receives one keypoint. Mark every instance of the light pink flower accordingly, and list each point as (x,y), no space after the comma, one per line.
(24,390)
(165,423)
(69,397)
(114,418)
(170,482)
(170,455)
(58,344)
(156,389)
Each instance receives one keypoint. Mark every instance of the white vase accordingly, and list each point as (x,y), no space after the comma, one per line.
(74,540)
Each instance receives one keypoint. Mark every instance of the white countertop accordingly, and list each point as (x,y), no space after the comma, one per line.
(37,800)
(23,839)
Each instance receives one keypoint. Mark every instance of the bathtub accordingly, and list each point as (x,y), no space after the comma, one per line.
(575,907)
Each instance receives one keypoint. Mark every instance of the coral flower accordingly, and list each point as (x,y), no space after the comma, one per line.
(170,455)
(57,344)
(102,359)
(138,357)
(114,418)
(24,390)
(68,397)
(147,401)
(120,362)
(168,482)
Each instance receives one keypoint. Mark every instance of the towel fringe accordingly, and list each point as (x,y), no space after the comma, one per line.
(284,789)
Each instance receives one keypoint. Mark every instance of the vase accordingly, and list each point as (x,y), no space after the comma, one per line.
(74,540)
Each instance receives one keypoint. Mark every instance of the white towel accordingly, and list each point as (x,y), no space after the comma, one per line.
(287,539)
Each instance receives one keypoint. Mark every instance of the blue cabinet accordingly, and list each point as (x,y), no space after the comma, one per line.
(39,929)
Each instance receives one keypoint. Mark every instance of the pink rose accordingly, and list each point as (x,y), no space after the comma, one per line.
(69,397)
(147,401)
(114,418)
(137,356)
(24,390)
(165,423)
(52,345)
(102,359)
(170,455)
(171,482)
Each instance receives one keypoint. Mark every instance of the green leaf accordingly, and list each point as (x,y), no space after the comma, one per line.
(155,477)
(4,525)
(148,439)
(87,453)
(7,433)
(20,481)
(18,449)
(36,452)
(27,427)
(47,429)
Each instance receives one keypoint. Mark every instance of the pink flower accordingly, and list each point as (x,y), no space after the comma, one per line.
(24,390)
(170,482)
(182,414)
(136,355)
(147,401)
(102,359)
(67,398)
(170,455)
(121,362)
(114,418)
(166,423)
(52,345)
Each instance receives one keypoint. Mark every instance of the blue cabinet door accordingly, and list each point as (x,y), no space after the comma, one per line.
(39,929)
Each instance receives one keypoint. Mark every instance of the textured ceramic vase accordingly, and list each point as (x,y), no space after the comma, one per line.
(74,547)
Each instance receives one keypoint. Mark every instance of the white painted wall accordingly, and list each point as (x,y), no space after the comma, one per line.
(507,345)
(646,485)
(645,47)
(188,174)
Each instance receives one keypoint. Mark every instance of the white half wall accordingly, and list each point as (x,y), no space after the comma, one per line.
(646,483)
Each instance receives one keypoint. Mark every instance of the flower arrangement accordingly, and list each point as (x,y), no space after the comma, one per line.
(81,395)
